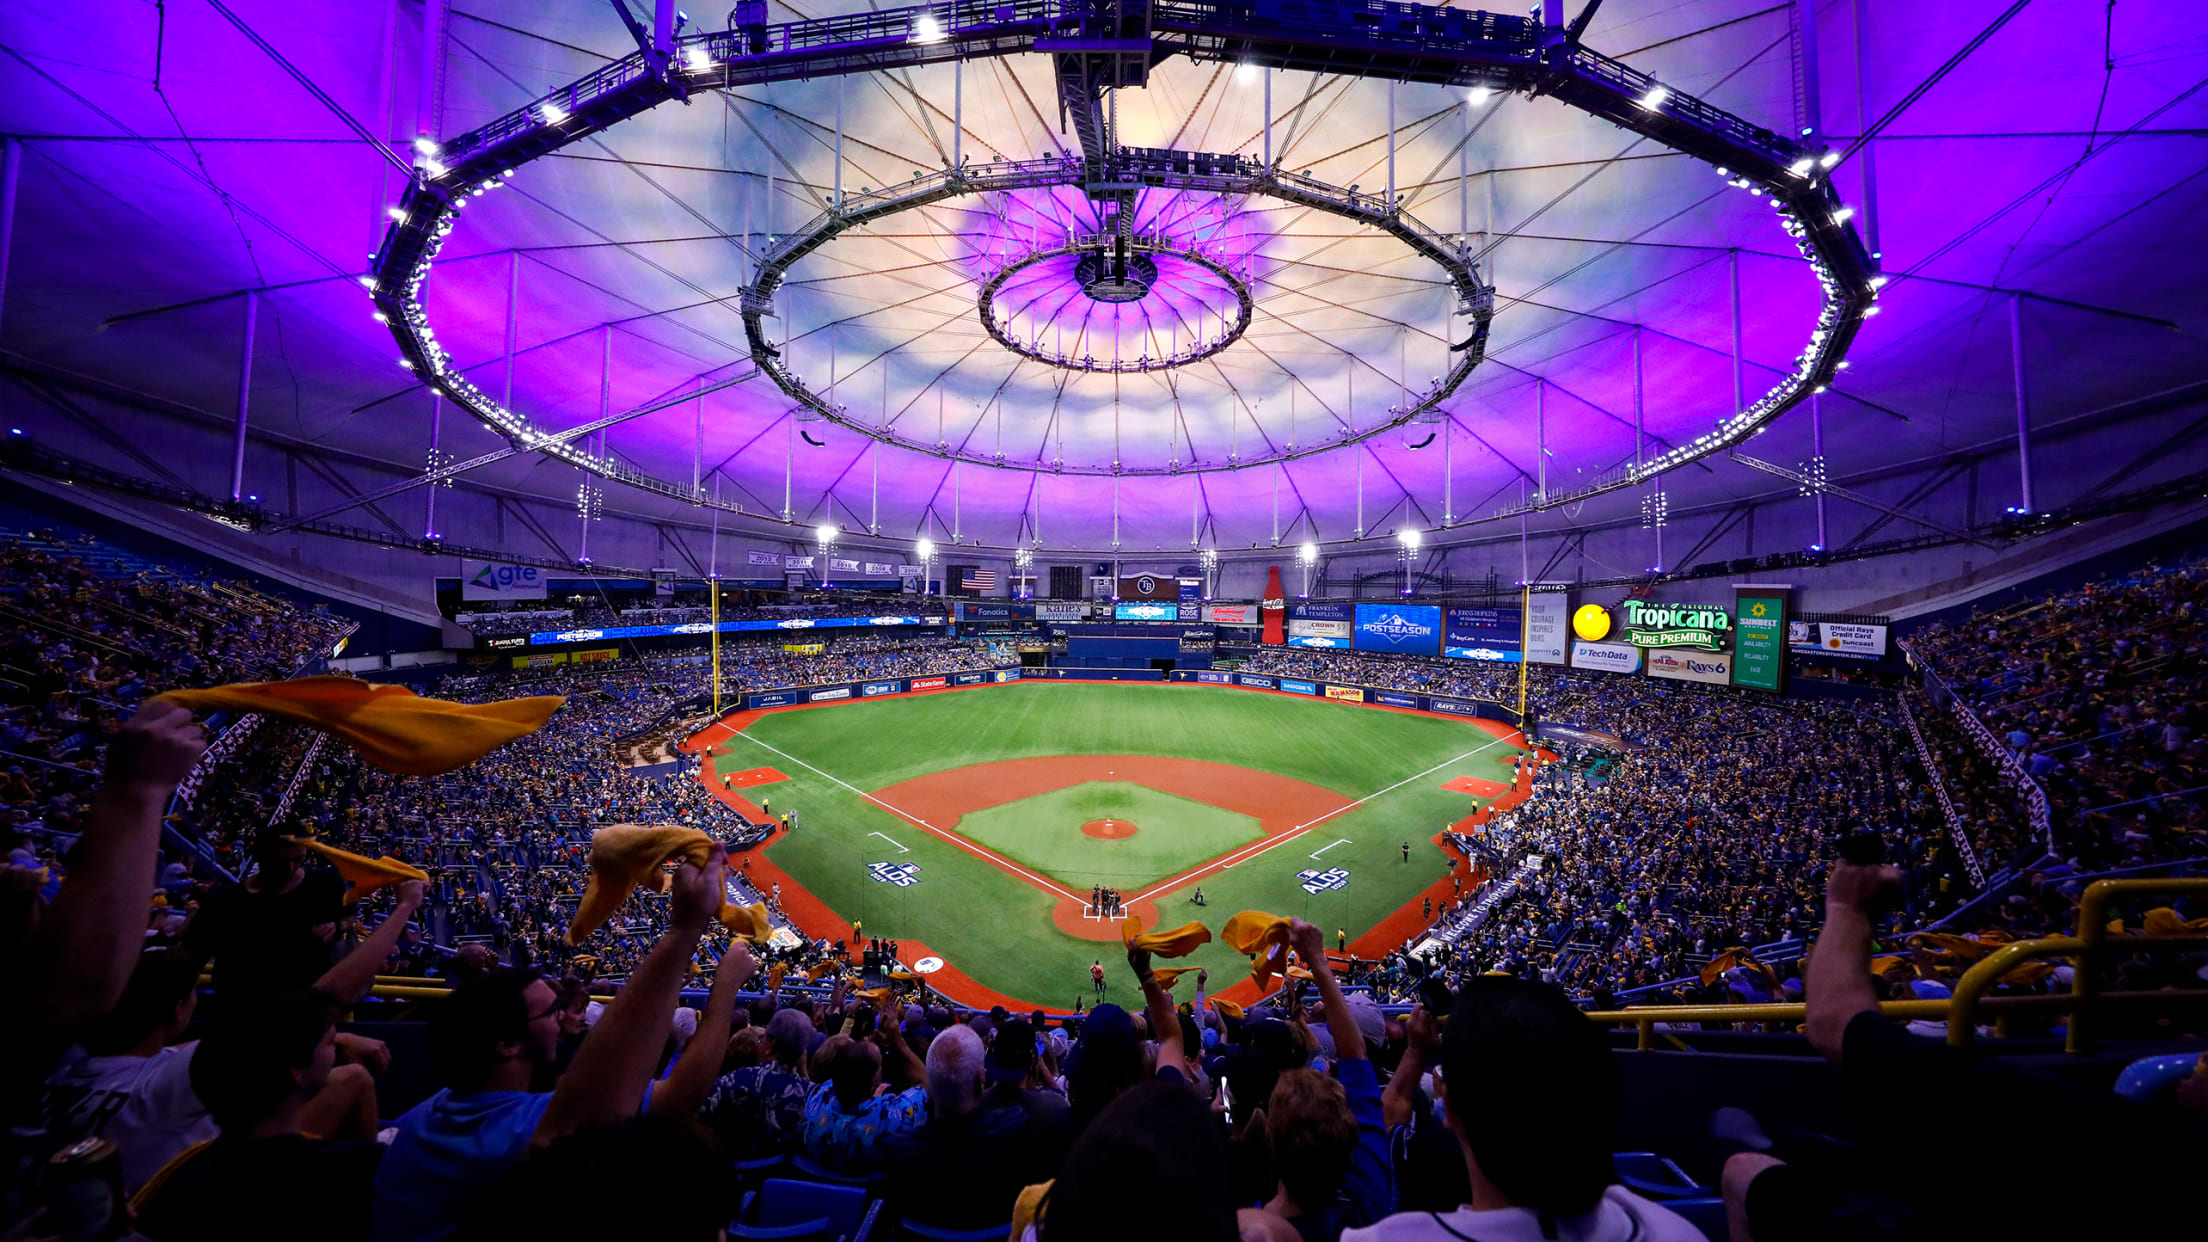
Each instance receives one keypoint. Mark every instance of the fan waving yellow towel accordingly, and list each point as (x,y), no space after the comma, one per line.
(626,856)
(1180,942)
(1226,1008)
(1170,975)
(1262,936)
(366,875)
(390,726)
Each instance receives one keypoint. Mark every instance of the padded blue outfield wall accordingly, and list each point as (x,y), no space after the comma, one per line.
(1338,691)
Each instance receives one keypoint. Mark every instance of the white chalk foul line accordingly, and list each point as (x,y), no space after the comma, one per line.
(951,837)
(892,840)
(1330,845)
(1248,852)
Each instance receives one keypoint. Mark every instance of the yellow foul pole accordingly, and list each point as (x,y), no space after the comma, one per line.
(1525,638)
(716,646)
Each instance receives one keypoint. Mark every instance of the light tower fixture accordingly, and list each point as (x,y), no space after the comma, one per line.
(1407,540)
(825,535)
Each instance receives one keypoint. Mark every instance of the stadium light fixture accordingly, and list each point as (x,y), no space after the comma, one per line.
(426,145)
(697,57)
(928,29)
(1408,537)
(1479,95)
(552,113)
(1657,94)
(1308,554)
(1246,72)
(924,549)
(826,534)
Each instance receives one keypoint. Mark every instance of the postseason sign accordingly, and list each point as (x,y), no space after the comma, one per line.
(1399,629)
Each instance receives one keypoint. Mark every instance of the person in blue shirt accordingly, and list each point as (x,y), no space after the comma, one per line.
(486,1043)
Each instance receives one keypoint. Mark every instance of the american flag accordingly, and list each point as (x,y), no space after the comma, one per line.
(979,580)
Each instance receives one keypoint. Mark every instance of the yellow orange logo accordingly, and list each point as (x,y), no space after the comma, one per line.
(1591,622)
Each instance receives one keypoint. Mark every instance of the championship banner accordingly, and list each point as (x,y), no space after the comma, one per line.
(1156,587)
(1713,668)
(790,563)
(1347,694)
(837,564)
(1274,607)
(1759,644)
(1495,635)
(756,557)
(880,571)
(1837,638)
(1547,620)
(1231,614)
(490,580)
(1399,629)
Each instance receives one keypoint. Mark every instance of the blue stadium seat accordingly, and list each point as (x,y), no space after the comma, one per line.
(813,1171)
(914,1231)
(1707,1215)
(845,1212)
(1654,1177)
(804,1231)
(2148,1077)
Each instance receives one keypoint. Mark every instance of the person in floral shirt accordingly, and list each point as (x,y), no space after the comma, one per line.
(849,1113)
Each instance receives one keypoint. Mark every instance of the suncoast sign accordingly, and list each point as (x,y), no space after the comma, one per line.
(1701,627)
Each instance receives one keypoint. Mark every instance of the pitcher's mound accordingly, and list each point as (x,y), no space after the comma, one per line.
(1108,829)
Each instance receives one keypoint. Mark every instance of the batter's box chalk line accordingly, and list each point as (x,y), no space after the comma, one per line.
(1331,844)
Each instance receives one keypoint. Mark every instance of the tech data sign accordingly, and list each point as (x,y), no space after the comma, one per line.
(1608,657)
(1699,627)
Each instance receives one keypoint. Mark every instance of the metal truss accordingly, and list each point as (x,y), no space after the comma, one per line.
(1393,41)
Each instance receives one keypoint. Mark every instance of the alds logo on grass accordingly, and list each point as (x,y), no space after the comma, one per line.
(1329,880)
(903,875)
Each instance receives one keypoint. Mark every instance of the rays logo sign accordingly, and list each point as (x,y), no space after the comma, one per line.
(1333,879)
(902,875)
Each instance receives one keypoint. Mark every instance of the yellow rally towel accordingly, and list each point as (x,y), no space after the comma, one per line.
(626,856)
(903,976)
(1262,936)
(884,999)
(390,726)
(1170,975)
(774,975)
(1180,942)
(366,875)
(2165,921)
(1226,1008)
(1298,972)
(817,969)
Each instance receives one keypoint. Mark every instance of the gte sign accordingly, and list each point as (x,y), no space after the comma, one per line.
(1698,626)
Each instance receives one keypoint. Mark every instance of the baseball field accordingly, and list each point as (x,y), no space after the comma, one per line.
(974,825)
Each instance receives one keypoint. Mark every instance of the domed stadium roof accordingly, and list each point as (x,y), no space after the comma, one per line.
(1068,366)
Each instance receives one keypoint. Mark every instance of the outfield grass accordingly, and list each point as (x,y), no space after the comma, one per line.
(1172,834)
(996,927)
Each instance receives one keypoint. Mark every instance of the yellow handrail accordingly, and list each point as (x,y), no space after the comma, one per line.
(1970,997)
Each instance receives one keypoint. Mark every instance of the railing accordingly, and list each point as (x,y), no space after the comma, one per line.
(1953,821)
(2085,949)
(2035,798)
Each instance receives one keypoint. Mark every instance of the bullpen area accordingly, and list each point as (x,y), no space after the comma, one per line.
(977,825)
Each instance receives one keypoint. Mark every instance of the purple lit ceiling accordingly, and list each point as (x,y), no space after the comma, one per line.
(2027,168)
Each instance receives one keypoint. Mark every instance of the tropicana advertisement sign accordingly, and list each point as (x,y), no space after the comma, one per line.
(1701,627)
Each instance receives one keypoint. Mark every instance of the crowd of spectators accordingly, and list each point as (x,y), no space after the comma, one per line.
(2095,694)
(772,666)
(1470,679)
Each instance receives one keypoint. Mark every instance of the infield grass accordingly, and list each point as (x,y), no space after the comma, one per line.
(1171,834)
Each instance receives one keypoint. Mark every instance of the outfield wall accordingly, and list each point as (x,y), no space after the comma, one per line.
(1340,692)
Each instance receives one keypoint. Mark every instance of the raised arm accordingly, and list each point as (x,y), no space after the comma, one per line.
(90,940)
(1837,984)
(355,973)
(606,1083)
(1165,1025)
(1420,1051)
(700,1063)
(1310,945)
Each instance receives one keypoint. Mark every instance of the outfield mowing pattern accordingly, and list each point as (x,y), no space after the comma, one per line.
(996,926)
(1044,833)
